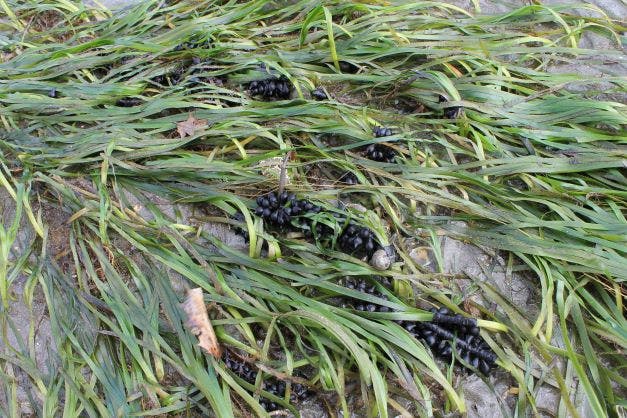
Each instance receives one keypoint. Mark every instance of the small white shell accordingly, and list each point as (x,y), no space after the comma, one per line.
(380,260)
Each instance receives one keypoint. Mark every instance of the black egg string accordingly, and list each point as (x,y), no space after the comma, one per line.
(272,385)
(271,88)
(446,333)
(380,152)
(443,334)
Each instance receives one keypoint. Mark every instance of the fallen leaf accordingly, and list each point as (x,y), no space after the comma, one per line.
(190,126)
(470,306)
(198,322)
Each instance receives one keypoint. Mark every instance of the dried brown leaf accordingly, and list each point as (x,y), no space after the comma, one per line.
(198,322)
(190,126)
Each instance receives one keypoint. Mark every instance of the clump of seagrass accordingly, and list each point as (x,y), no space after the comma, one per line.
(195,42)
(192,69)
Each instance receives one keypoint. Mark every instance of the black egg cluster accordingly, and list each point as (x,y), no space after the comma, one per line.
(380,132)
(364,286)
(310,228)
(275,209)
(271,88)
(129,102)
(443,334)
(448,333)
(348,67)
(380,152)
(319,94)
(278,211)
(452,112)
(273,385)
(172,78)
(358,241)
(303,206)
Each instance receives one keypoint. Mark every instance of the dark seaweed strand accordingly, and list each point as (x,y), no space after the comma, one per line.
(272,385)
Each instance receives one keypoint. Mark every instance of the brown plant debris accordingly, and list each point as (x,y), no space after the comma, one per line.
(198,322)
(190,126)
